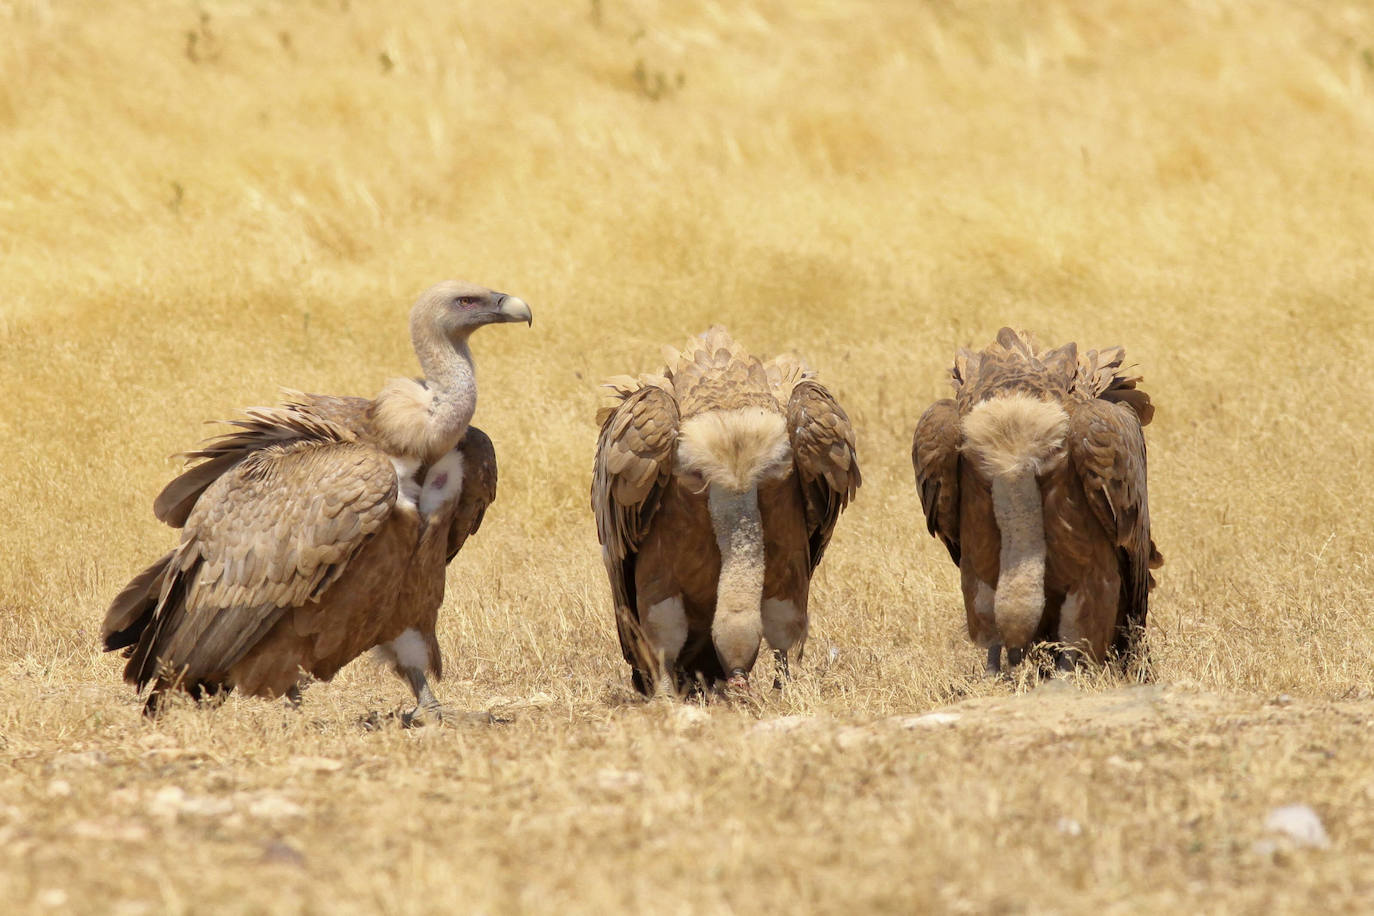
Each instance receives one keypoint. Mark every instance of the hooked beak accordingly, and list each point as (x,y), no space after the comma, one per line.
(512,308)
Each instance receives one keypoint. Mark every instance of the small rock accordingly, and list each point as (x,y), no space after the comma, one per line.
(110,831)
(315,764)
(166,802)
(612,779)
(274,807)
(1300,824)
(832,655)
(929,720)
(52,898)
(1068,826)
(172,801)
(59,788)
(205,806)
(126,797)
(782,725)
(85,760)
(851,737)
(279,853)
(1121,763)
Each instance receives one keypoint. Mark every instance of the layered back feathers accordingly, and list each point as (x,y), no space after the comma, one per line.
(732,432)
(1015,363)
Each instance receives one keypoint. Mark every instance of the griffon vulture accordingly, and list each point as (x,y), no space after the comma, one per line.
(321,528)
(1033,476)
(716,487)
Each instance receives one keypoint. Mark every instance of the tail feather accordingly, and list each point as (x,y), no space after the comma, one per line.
(132,609)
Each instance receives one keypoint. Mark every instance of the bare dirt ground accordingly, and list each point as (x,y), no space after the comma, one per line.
(200,203)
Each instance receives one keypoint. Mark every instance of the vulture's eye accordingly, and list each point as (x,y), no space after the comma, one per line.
(466,302)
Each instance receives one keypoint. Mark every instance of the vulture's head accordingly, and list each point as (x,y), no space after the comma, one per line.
(454,310)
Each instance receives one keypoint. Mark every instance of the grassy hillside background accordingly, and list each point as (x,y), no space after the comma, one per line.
(202,202)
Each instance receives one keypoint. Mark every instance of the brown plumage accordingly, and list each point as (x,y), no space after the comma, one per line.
(716,487)
(320,529)
(1033,477)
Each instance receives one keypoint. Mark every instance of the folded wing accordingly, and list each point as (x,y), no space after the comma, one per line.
(823,450)
(634,460)
(268,534)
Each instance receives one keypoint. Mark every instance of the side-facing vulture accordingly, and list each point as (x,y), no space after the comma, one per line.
(1033,476)
(320,529)
(716,487)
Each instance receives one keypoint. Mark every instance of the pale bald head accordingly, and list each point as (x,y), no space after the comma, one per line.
(455,309)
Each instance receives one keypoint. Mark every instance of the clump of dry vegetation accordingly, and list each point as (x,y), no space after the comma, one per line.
(201,203)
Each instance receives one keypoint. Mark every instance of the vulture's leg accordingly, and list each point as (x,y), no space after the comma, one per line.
(409,658)
(665,629)
(426,705)
(994,663)
(780,666)
(784,626)
(1014,657)
(1087,621)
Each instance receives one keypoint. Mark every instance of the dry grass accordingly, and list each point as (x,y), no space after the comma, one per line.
(201,202)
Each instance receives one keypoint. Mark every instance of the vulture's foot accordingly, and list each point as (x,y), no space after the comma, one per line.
(783,674)
(1014,657)
(437,714)
(1066,661)
(293,697)
(737,688)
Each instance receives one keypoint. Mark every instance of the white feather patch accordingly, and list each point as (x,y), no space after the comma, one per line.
(409,650)
(407,487)
(784,624)
(735,449)
(443,483)
(665,626)
(1015,434)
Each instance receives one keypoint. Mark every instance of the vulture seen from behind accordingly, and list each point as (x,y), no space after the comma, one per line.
(320,529)
(716,487)
(1033,476)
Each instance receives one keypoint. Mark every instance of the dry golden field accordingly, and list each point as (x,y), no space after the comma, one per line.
(200,202)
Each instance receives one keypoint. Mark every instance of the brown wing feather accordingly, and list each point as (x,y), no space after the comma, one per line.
(935,456)
(634,459)
(268,535)
(1107,447)
(479,488)
(823,449)
(261,428)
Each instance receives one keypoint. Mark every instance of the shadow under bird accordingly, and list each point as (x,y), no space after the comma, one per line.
(321,528)
(716,488)
(1033,476)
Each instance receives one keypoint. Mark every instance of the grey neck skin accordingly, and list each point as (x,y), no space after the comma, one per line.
(448,370)
(1020,599)
(738,624)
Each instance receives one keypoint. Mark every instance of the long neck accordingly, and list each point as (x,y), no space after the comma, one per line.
(738,625)
(448,370)
(1020,600)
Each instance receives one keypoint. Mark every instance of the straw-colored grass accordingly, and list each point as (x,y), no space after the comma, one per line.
(202,202)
